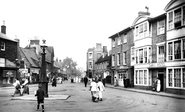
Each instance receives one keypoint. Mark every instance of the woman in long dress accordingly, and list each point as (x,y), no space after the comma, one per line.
(158,85)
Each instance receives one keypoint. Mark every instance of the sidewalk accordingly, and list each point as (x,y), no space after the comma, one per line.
(146,91)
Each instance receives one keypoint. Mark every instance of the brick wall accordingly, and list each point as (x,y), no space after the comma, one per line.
(10,52)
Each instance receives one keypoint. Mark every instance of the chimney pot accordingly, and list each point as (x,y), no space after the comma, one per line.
(3,28)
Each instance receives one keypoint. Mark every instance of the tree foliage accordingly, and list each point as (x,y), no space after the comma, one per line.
(70,67)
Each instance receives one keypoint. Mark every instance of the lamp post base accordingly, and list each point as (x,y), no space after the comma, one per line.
(45,88)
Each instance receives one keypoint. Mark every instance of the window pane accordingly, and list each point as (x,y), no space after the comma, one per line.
(145,76)
(177,77)
(183,48)
(140,55)
(145,54)
(170,50)
(136,77)
(140,76)
(170,77)
(170,20)
(183,77)
(177,49)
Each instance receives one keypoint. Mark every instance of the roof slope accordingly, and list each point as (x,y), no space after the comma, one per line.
(31,56)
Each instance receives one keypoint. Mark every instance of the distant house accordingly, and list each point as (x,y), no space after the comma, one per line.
(31,64)
(8,58)
(35,43)
(92,55)
(102,69)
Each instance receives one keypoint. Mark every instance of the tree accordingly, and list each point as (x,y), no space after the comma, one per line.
(69,66)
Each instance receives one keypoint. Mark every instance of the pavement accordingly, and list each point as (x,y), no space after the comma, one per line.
(164,94)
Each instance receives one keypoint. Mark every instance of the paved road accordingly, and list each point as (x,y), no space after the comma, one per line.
(114,100)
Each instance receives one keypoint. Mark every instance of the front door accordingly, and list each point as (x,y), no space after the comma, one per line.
(161,78)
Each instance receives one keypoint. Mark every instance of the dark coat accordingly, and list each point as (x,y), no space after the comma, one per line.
(40,94)
(85,79)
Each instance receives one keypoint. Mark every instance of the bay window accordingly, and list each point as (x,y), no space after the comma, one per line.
(176,49)
(143,55)
(176,18)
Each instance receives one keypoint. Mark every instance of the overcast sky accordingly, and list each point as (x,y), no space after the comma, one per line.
(72,26)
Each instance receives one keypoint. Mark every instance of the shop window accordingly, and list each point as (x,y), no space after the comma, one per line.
(170,77)
(177,77)
(183,78)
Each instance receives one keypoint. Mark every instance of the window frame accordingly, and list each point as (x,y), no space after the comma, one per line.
(171,83)
(161,27)
(2,47)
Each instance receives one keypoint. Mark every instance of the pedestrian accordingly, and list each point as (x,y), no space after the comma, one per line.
(17,87)
(101,88)
(94,90)
(104,80)
(40,97)
(158,85)
(85,81)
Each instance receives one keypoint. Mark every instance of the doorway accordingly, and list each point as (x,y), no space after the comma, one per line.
(161,78)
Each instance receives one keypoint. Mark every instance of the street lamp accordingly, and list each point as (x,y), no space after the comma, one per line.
(43,78)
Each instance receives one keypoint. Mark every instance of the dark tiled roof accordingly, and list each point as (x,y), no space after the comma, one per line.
(105,59)
(31,56)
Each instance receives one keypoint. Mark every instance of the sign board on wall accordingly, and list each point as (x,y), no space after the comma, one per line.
(2,62)
(9,73)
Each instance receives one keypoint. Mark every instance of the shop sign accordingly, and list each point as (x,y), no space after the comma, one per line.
(8,73)
(157,65)
(2,62)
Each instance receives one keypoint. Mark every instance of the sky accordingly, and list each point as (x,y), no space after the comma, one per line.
(72,26)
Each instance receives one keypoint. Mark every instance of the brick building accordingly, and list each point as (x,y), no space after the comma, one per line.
(8,58)
(121,62)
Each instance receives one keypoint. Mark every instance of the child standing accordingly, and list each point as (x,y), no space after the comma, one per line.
(101,89)
(40,98)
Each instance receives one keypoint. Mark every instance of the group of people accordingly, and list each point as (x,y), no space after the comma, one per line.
(96,88)
(18,86)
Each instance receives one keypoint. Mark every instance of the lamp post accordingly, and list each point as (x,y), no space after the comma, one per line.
(43,78)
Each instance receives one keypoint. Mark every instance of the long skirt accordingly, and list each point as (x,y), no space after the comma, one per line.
(158,87)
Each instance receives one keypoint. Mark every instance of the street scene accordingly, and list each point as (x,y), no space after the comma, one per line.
(92,56)
(79,100)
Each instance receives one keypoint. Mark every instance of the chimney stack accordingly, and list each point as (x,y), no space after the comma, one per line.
(3,28)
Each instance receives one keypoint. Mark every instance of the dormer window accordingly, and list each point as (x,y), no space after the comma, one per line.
(2,47)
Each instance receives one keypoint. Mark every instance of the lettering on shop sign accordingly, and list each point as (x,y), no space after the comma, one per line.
(156,65)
